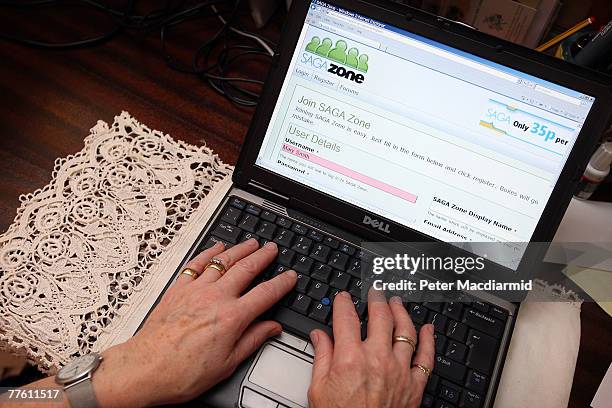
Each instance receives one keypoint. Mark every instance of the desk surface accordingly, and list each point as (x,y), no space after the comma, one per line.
(50,100)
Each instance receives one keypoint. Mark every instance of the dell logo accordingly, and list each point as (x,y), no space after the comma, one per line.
(382,226)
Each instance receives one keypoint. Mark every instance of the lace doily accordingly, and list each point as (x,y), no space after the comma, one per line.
(88,254)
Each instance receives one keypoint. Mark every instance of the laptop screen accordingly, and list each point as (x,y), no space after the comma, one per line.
(439,140)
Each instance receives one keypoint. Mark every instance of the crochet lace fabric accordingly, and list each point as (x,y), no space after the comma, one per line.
(88,254)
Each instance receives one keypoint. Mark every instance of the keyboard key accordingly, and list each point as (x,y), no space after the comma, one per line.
(338,260)
(483,322)
(302,245)
(248,235)
(278,270)
(303,264)
(253,209)
(284,238)
(355,287)
(440,343)
(470,399)
(456,331)
(418,313)
(321,272)
(427,401)
(295,322)
(266,230)
(268,216)
(315,235)
(449,392)
(301,285)
(248,223)
(331,242)
(443,404)
(227,232)
(456,351)
(285,256)
(231,215)
(432,384)
(212,241)
(320,312)
(499,313)
(340,280)
(453,310)
(318,290)
(300,229)
(476,381)
(238,203)
(480,305)
(482,351)
(437,306)
(354,268)
(301,303)
(283,222)
(347,249)
(447,368)
(320,253)
(438,320)
(360,307)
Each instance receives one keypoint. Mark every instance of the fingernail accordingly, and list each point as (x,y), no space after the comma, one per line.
(270,244)
(276,330)
(220,243)
(345,294)
(430,328)
(396,299)
(252,241)
(291,273)
(314,337)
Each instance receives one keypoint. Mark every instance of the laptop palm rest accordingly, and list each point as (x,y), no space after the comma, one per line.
(279,376)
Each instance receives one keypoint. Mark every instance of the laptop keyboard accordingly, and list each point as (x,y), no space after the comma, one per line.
(467,335)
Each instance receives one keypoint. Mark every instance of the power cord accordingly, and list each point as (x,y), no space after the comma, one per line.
(217,61)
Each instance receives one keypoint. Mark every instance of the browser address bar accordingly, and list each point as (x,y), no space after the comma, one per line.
(425,47)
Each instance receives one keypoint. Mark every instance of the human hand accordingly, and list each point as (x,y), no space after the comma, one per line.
(373,373)
(198,333)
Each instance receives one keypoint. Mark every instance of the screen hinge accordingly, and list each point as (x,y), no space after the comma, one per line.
(265,190)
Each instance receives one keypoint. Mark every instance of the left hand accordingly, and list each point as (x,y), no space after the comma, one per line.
(198,333)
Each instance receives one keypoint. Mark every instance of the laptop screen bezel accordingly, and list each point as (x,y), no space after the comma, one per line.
(332,209)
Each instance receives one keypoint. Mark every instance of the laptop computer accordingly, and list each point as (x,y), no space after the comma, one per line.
(373,116)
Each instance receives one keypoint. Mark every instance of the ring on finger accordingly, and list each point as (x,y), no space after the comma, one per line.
(405,339)
(190,272)
(425,370)
(217,264)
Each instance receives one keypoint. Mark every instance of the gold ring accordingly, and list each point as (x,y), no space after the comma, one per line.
(190,272)
(216,263)
(425,370)
(405,339)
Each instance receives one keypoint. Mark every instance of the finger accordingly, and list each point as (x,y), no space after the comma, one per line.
(323,353)
(228,258)
(424,356)
(403,327)
(380,319)
(263,296)
(198,263)
(238,278)
(253,337)
(345,322)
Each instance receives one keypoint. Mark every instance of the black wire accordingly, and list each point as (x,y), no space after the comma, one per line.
(214,61)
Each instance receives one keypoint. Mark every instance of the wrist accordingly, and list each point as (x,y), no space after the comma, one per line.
(121,380)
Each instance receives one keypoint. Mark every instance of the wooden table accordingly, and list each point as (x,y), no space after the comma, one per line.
(50,99)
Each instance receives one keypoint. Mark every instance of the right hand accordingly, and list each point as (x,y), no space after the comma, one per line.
(373,373)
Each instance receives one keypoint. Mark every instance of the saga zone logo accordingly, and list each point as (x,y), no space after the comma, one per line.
(336,59)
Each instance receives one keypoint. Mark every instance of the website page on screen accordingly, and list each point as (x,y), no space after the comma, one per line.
(439,140)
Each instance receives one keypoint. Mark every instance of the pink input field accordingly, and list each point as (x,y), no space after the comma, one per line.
(387,188)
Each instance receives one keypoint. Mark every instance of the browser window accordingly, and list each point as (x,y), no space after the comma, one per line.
(439,140)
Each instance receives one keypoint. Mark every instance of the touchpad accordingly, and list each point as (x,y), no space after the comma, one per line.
(283,373)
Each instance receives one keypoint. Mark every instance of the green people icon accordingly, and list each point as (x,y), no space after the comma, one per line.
(313,44)
(323,49)
(351,57)
(338,54)
(362,65)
